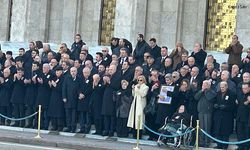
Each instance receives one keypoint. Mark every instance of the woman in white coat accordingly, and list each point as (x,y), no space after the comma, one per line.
(139,92)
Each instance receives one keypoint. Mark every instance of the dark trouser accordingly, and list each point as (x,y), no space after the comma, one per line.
(109,124)
(223,138)
(243,134)
(18,112)
(134,131)
(70,118)
(98,126)
(84,121)
(205,124)
(29,111)
(44,119)
(57,123)
(6,111)
(150,122)
(121,127)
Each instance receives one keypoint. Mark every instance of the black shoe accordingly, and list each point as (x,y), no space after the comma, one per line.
(28,126)
(73,131)
(67,130)
(111,134)
(105,133)
(218,147)
(53,129)
(81,131)
(59,129)
(14,125)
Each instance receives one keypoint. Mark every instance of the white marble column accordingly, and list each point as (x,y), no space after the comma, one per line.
(130,19)
(69,20)
(90,21)
(193,23)
(4,19)
(18,20)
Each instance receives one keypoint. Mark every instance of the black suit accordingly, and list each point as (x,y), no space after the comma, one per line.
(83,104)
(242,119)
(155,52)
(57,115)
(5,94)
(108,106)
(70,92)
(223,116)
(30,97)
(96,106)
(200,58)
(43,97)
(17,100)
(127,75)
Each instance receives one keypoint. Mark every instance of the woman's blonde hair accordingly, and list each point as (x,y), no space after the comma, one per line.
(143,78)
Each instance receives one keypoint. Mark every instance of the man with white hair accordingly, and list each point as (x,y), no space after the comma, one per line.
(43,94)
(6,85)
(205,97)
(225,76)
(71,86)
(223,115)
(112,82)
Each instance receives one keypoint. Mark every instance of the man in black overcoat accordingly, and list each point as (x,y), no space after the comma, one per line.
(96,103)
(70,93)
(6,86)
(43,95)
(223,114)
(83,101)
(56,110)
(17,98)
(112,83)
(242,117)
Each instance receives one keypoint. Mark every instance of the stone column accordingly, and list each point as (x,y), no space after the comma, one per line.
(18,20)
(193,23)
(4,19)
(69,20)
(90,21)
(169,23)
(130,19)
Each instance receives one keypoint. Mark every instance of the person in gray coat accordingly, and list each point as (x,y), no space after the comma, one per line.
(123,99)
(205,97)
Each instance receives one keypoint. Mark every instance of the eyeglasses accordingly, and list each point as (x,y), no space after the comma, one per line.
(139,80)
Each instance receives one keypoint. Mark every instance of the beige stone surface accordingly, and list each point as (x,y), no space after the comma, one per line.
(4,19)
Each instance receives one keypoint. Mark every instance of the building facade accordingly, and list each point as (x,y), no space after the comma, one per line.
(210,22)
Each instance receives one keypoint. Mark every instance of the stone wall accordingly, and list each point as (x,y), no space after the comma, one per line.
(242,24)
(169,21)
(51,21)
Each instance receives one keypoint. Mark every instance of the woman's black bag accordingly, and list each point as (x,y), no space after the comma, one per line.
(150,108)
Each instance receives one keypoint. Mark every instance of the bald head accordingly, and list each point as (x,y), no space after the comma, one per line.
(112,69)
(86,72)
(6,72)
(73,72)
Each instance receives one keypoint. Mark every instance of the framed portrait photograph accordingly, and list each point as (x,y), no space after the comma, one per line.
(163,96)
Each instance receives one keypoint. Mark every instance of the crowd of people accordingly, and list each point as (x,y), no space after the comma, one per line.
(124,84)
